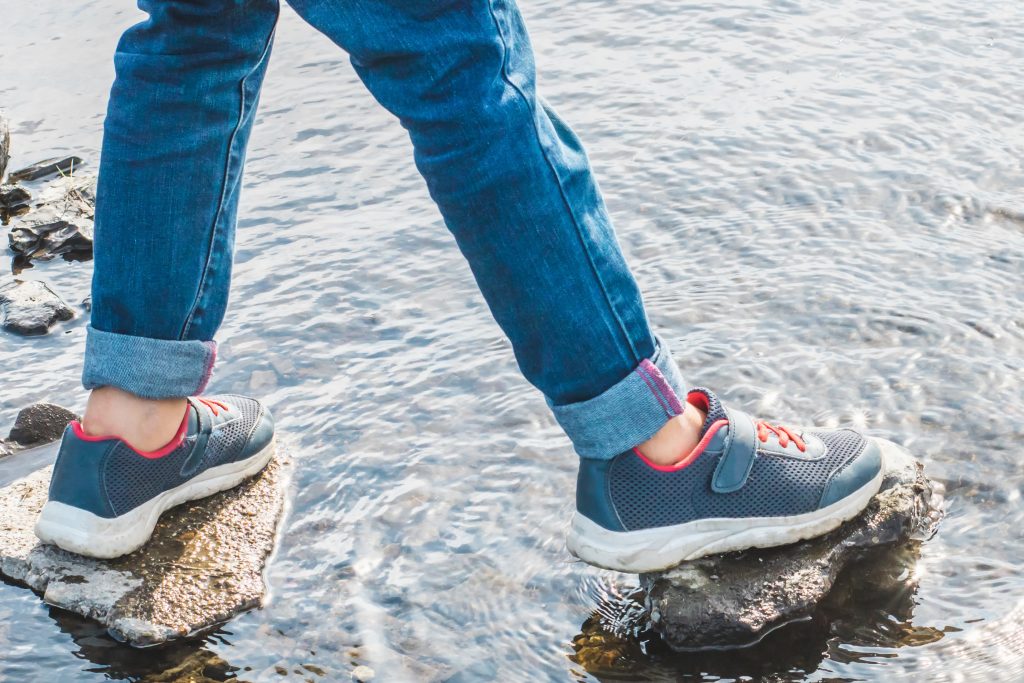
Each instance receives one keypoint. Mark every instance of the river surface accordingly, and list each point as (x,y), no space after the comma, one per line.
(822,202)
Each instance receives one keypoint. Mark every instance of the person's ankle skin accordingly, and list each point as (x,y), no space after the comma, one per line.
(676,439)
(145,424)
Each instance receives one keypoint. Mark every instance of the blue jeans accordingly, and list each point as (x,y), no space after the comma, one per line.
(510,178)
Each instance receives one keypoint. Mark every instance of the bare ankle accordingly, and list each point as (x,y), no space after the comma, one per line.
(676,439)
(145,424)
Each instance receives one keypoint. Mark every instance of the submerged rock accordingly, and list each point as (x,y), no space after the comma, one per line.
(46,168)
(735,599)
(203,565)
(30,307)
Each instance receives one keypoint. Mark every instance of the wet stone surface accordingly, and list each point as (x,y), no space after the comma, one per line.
(30,307)
(59,222)
(203,565)
(46,168)
(37,424)
(737,598)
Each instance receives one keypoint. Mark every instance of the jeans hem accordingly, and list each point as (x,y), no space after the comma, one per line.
(628,413)
(146,367)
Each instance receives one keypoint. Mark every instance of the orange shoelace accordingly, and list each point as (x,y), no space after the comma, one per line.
(213,405)
(783,433)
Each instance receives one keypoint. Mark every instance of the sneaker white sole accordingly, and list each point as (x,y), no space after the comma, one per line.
(651,550)
(82,532)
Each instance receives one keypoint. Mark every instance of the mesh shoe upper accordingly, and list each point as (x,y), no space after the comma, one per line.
(776,476)
(107,477)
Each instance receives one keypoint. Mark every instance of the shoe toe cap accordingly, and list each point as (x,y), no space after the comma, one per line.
(261,436)
(853,475)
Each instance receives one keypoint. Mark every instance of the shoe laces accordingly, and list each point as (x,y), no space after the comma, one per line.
(213,405)
(784,435)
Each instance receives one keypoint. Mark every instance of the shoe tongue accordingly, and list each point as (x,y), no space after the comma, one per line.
(706,400)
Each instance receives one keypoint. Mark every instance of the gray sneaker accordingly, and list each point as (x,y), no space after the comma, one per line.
(106,497)
(747,484)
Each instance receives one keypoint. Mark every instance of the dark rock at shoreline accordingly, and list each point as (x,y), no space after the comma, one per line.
(40,423)
(37,424)
(44,238)
(14,198)
(29,307)
(47,167)
(735,599)
(61,224)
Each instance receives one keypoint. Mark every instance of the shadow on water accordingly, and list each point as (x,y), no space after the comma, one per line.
(870,606)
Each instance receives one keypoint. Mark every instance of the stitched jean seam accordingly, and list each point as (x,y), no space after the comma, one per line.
(201,288)
(558,181)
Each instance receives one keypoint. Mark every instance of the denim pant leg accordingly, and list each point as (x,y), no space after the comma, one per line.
(515,188)
(180,111)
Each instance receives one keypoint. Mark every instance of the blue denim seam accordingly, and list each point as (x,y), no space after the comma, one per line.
(201,288)
(558,181)
(626,414)
(147,367)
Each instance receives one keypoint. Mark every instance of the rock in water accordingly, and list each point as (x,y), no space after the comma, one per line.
(736,598)
(61,224)
(203,565)
(40,423)
(45,168)
(14,199)
(5,146)
(30,307)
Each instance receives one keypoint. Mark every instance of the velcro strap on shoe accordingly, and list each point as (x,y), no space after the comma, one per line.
(738,453)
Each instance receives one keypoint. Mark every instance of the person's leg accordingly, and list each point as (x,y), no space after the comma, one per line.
(187,83)
(516,190)
(181,108)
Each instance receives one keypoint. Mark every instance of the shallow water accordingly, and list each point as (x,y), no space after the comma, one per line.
(822,204)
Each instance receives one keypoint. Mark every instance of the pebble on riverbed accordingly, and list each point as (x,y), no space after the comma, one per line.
(29,307)
(203,565)
(735,599)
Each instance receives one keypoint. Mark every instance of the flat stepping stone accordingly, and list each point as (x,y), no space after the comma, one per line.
(30,307)
(203,565)
(735,599)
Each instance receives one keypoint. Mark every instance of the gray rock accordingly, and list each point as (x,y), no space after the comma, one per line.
(737,598)
(48,234)
(14,198)
(5,145)
(61,224)
(40,423)
(203,565)
(47,167)
(30,307)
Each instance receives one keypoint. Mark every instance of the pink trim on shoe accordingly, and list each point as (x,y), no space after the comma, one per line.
(179,437)
(689,457)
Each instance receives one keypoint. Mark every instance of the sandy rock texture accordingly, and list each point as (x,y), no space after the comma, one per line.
(203,565)
(735,599)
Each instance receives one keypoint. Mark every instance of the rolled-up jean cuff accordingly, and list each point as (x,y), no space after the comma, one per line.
(628,413)
(150,368)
